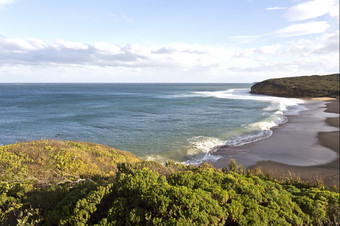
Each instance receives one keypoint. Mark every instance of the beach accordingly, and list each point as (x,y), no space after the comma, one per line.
(307,147)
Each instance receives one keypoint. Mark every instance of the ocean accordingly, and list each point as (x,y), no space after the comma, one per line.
(182,122)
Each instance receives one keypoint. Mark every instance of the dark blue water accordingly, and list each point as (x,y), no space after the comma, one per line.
(159,121)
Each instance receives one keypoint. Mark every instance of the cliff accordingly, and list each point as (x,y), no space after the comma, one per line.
(303,86)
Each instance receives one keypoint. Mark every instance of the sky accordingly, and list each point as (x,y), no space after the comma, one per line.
(196,41)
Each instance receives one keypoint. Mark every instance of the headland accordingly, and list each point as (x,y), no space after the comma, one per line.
(300,87)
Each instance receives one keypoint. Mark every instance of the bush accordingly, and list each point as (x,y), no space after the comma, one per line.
(146,192)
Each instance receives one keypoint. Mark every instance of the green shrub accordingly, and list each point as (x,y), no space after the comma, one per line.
(148,193)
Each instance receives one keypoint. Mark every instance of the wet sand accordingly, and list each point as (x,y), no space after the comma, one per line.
(306,147)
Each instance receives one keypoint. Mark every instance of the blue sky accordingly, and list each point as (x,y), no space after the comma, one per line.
(166,41)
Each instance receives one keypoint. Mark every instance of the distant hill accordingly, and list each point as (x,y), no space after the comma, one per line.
(303,86)
(51,182)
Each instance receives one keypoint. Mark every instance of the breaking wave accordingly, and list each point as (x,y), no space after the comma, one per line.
(200,148)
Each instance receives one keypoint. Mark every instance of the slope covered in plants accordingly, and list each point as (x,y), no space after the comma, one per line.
(303,86)
(135,192)
(54,161)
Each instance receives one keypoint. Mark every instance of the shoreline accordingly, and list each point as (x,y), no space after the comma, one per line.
(307,147)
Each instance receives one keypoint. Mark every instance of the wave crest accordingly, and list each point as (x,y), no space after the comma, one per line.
(199,148)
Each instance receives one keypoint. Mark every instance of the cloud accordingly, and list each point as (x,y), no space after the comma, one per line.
(106,48)
(182,48)
(313,9)
(300,57)
(65,59)
(276,8)
(5,2)
(62,44)
(303,29)
(21,45)
(28,51)
(293,30)
(290,68)
(325,44)
(248,38)
(271,49)
(307,10)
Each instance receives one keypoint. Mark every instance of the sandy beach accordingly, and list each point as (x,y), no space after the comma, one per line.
(306,147)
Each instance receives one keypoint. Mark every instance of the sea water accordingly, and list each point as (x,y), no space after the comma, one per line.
(182,122)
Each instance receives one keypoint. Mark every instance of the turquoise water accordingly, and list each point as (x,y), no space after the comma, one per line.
(183,122)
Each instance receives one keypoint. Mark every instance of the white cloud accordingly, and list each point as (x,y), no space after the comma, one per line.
(246,53)
(184,48)
(293,30)
(300,57)
(21,45)
(103,62)
(272,49)
(244,39)
(106,48)
(276,8)
(307,10)
(327,44)
(70,45)
(313,9)
(4,2)
(303,29)
(334,10)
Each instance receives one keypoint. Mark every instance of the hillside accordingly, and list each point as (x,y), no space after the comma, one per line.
(303,86)
(52,182)
(50,161)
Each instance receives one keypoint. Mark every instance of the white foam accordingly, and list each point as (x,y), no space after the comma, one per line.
(287,105)
(275,119)
(277,109)
(200,147)
(201,144)
(248,138)
(196,152)
(199,160)
(244,94)
(280,105)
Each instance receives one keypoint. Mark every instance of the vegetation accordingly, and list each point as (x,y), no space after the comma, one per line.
(303,86)
(124,190)
(53,161)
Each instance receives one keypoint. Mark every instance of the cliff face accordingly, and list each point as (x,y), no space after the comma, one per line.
(272,89)
(304,86)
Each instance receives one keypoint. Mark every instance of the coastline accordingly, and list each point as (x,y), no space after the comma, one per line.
(307,147)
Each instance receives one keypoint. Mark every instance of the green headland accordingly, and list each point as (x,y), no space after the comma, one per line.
(302,86)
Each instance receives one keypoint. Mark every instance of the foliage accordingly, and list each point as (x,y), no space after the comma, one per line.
(303,86)
(145,192)
(49,161)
